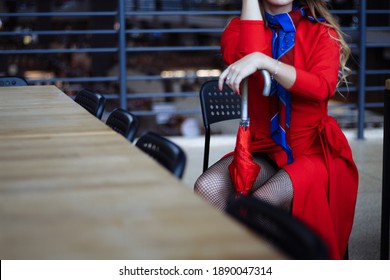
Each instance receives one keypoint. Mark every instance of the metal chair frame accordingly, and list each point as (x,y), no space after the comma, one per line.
(281,229)
(123,122)
(93,102)
(217,106)
(10,81)
(167,153)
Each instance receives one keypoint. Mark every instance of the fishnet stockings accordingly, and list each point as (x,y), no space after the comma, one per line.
(271,185)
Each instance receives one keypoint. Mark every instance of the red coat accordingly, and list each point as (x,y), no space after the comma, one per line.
(324,175)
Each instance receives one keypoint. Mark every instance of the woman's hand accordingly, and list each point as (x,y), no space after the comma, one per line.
(238,71)
(283,73)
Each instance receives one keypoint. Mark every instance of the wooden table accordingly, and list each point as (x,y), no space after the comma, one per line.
(72,188)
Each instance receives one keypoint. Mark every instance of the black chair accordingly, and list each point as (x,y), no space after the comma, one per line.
(277,226)
(123,122)
(93,102)
(217,106)
(167,153)
(10,81)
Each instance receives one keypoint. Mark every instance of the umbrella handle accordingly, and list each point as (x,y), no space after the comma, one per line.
(244,103)
(267,82)
(244,96)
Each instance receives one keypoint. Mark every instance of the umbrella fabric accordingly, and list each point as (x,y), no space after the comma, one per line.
(243,170)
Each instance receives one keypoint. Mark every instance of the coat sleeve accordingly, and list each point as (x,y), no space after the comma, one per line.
(242,37)
(318,79)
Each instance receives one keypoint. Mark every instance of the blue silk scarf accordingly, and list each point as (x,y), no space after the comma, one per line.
(283,28)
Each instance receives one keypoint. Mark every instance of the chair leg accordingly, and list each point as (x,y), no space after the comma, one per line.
(346,254)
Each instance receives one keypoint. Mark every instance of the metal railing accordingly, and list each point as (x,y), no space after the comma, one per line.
(192,22)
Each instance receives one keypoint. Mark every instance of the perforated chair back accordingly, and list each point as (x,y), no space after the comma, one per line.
(10,81)
(93,102)
(217,106)
(167,153)
(123,122)
(281,229)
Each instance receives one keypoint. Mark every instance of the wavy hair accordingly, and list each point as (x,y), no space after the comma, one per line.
(319,8)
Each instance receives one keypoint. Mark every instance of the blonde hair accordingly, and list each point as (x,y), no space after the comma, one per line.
(319,8)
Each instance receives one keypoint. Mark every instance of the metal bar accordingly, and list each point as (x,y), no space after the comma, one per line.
(377,45)
(176,30)
(344,12)
(115,78)
(182,13)
(378,71)
(122,55)
(109,31)
(353,106)
(362,68)
(373,12)
(58,14)
(75,79)
(385,216)
(56,32)
(178,48)
(176,112)
(378,28)
(47,51)
(162,94)
(96,50)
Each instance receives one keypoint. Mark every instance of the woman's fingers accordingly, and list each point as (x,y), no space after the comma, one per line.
(222,79)
(231,77)
(242,68)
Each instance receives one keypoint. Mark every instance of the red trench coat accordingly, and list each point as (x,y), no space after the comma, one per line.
(324,175)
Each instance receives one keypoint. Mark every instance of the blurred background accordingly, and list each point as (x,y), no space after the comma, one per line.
(151,56)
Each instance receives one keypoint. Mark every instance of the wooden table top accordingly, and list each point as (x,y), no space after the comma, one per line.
(71,188)
(45,111)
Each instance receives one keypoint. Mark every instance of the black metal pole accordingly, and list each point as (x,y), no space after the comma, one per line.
(362,68)
(122,54)
(385,217)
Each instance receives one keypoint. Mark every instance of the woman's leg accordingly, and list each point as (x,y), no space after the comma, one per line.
(278,190)
(215,184)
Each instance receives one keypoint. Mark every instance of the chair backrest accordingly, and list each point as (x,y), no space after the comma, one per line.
(277,226)
(93,102)
(10,81)
(217,106)
(167,153)
(123,122)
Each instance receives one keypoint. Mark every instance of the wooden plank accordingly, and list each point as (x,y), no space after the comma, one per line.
(147,222)
(71,188)
(45,110)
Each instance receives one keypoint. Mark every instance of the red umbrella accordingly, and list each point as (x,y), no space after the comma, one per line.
(243,170)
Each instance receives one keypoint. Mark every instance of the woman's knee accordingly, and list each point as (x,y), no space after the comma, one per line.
(200,183)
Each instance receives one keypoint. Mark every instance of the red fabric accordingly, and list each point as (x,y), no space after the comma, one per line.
(324,175)
(243,169)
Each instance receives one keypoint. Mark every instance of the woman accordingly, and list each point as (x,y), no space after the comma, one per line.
(306,162)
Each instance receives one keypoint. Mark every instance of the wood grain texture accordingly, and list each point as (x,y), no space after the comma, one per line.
(71,188)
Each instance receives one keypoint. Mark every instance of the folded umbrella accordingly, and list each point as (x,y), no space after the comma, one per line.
(243,170)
